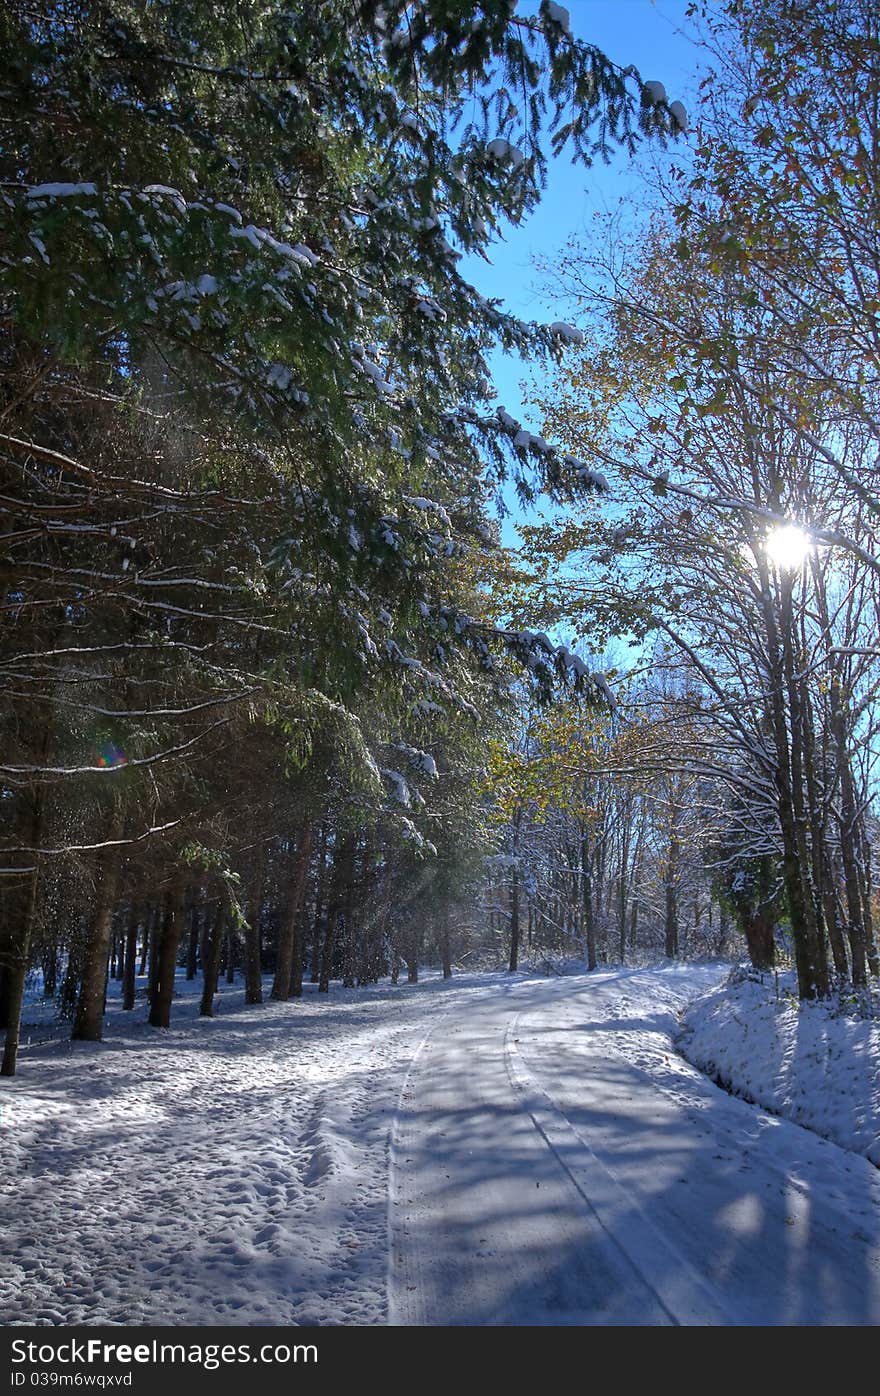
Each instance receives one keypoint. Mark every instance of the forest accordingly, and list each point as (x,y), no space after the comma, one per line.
(277,702)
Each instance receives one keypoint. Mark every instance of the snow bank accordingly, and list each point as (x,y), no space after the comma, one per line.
(817,1064)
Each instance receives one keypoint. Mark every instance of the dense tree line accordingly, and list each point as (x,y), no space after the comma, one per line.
(248,450)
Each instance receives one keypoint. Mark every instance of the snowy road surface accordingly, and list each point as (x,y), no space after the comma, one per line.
(554,1162)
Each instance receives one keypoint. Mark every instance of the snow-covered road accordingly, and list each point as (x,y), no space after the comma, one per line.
(552,1160)
(555,1162)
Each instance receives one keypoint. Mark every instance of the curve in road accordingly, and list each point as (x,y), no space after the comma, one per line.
(553,1162)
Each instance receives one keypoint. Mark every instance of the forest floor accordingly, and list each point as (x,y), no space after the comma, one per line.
(493,1150)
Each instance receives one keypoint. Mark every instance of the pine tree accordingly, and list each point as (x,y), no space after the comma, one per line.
(247,431)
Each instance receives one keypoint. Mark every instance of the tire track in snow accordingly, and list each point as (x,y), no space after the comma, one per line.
(405,1281)
(488,1221)
(680,1290)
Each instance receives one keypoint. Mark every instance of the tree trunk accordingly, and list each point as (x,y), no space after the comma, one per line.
(864,870)
(88,1023)
(833,918)
(412,960)
(289,962)
(622,904)
(342,870)
(317,921)
(349,934)
(587,901)
(855,910)
(130,965)
(810,956)
(169,942)
(145,943)
(362,942)
(327,948)
(156,915)
(670,887)
(253,992)
(446,944)
(815,819)
(859,930)
(15,975)
(514,919)
(213,932)
(758,931)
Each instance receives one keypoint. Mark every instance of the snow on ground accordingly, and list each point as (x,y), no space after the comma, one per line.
(230,1170)
(501,1149)
(815,1063)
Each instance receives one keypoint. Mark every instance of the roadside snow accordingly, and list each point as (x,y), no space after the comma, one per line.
(811,1063)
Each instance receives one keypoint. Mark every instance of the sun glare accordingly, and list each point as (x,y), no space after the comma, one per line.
(788,546)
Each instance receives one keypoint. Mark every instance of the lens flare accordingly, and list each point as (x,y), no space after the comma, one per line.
(110,755)
(788,546)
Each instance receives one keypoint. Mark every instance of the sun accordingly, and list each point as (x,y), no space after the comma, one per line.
(788,546)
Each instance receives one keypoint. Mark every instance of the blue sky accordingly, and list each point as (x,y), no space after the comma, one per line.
(655,36)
